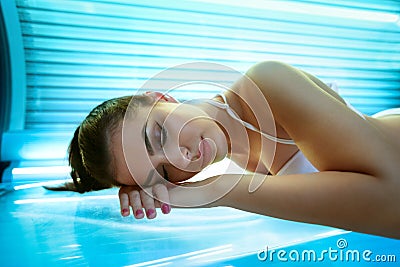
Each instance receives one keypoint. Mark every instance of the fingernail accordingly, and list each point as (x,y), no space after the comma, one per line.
(150,213)
(165,208)
(125,212)
(139,213)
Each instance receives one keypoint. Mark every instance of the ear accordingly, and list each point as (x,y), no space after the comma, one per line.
(157,96)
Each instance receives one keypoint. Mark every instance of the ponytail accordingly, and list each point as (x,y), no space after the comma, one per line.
(83,181)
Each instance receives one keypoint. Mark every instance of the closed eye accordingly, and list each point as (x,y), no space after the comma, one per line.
(161,134)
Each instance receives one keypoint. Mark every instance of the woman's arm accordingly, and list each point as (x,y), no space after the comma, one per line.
(352,201)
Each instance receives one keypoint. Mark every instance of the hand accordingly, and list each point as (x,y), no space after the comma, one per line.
(148,198)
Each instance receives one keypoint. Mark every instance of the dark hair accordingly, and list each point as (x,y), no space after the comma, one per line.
(89,152)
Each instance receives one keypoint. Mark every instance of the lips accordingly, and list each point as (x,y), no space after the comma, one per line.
(205,152)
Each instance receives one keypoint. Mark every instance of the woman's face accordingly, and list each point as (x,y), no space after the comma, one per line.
(166,140)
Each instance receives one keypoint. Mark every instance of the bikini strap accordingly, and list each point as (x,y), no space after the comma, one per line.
(232,113)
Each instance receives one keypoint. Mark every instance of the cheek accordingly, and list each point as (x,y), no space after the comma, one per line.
(214,131)
(203,125)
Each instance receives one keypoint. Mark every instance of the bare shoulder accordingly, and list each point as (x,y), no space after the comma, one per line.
(389,126)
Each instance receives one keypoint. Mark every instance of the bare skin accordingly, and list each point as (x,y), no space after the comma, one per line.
(357,159)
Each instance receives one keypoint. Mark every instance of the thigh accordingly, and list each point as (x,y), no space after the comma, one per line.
(331,135)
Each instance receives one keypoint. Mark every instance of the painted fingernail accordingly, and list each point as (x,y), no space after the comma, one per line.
(139,213)
(125,212)
(150,213)
(165,208)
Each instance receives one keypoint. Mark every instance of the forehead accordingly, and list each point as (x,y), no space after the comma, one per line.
(131,160)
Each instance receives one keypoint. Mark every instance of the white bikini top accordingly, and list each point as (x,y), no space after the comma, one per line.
(232,113)
(297,164)
(388,112)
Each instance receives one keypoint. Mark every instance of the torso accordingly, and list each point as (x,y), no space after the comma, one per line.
(260,161)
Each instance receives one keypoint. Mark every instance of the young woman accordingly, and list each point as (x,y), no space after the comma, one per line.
(341,169)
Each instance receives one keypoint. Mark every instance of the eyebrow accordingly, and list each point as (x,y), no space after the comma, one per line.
(149,148)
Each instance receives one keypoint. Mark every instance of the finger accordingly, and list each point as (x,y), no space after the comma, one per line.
(124,203)
(157,204)
(136,204)
(161,194)
(148,203)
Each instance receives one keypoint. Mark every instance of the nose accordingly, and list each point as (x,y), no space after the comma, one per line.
(188,154)
(182,158)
